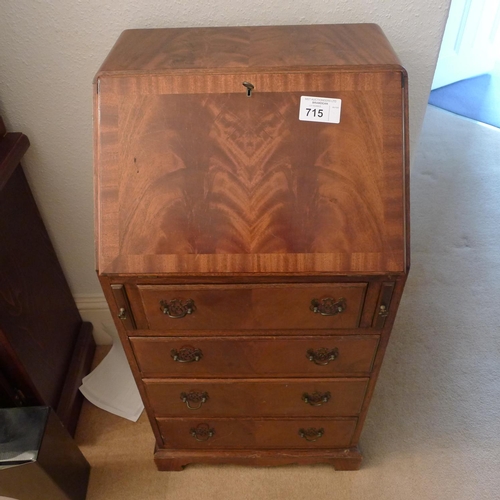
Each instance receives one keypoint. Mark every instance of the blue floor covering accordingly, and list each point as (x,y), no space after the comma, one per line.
(476,98)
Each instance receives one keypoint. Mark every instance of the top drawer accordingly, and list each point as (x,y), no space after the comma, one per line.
(244,307)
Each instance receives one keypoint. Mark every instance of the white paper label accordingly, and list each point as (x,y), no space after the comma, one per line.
(319,109)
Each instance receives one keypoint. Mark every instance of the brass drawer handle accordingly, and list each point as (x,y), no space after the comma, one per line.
(194,400)
(322,356)
(177,309)
(186,354)
(316,398)
(202,432)
(328,306)
(122,314)
(383,311)
(312,434)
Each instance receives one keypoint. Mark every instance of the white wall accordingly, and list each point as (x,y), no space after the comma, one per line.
(50,50)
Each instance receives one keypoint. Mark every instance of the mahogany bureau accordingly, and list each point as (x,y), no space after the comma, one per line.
(252,233)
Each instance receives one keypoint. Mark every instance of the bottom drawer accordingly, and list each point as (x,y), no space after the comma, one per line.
(225,433)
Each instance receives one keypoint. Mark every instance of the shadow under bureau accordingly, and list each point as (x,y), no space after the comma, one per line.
(252,233)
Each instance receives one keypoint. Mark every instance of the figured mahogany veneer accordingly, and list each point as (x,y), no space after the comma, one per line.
(254,307)
(240,433)
(274,397)
(255,356)
(178,196)
(252,259)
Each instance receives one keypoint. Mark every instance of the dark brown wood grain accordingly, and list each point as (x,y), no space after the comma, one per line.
(59,470)
(71,400)
(12,149)
(8,392)
(17,387)
(270,397)
(38,315)
(255,356)
(267,433)
(39,320)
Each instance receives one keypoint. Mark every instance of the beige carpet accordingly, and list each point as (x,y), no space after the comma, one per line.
(433,430)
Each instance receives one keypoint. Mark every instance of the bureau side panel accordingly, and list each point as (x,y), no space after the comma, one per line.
(122,332)
(385,334)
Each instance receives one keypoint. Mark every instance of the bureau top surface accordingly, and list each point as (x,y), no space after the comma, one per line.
(195,177)
(158,50)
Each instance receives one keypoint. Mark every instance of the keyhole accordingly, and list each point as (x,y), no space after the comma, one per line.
(249,88)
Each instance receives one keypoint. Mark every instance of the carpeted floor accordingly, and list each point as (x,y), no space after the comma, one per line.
(433,430)
(477,98)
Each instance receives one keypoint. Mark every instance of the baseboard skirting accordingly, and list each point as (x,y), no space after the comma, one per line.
(94,301)
(94,308)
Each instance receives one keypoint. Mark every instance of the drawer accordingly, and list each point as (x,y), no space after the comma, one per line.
(188,433)
(243,307)
(277,397)
(247,357)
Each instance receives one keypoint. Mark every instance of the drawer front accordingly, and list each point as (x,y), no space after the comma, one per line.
(243,307)
(228,433)
(277,397)
(246,357)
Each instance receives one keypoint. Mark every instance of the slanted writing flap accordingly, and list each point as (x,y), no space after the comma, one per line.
(194,176)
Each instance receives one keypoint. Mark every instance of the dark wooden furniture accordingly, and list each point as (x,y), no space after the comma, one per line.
(38,458)
(253,261)
(45,348)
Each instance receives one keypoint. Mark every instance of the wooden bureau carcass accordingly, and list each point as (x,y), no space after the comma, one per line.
(252,233)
